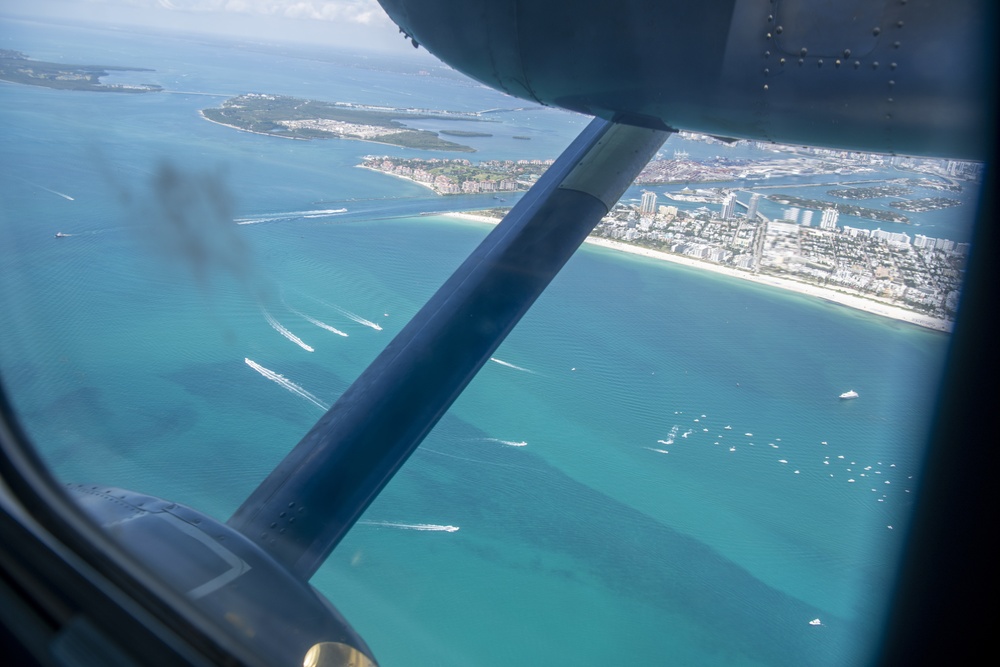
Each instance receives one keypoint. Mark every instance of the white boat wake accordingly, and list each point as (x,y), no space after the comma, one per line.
(56,192)
(671,437)
(276,325)
(357,318)
(510,365)
(42,187)
(321,325)
(471,460)
(322,213)
(412,526)
(290,215)
(349,315)
(509,443)
(286,383)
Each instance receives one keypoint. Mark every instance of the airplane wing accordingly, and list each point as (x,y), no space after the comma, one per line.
(885,77)
(252,572)
(313,497)
(838,74)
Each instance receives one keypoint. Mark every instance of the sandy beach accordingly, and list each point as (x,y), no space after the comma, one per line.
(862,303)
(429,186)
(233,127)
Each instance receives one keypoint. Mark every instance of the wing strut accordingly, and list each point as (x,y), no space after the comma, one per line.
(312,498)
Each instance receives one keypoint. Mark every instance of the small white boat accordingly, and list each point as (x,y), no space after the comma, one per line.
(815,621)
(849,394)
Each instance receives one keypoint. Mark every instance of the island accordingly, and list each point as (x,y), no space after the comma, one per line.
(464,133)
(926,204)
(681,168)
(17,67)
(842,209)
(871,192)
(909,277)
(913,280)
(297,118)
(452,177)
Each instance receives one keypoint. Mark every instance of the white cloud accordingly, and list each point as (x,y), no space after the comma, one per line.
(363,12)
(359,24)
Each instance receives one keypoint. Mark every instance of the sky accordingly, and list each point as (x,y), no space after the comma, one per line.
(355,24)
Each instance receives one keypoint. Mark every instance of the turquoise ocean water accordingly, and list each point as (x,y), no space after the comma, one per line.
(655,470)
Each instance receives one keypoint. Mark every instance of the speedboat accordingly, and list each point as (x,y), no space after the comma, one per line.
(849,394)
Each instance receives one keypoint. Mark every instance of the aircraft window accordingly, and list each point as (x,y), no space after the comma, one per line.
(704,441)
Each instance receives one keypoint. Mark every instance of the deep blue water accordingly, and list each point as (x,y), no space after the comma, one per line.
(659,470)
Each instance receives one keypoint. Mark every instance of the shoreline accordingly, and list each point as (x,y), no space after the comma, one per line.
(860,303)
(240,129)
(281,136)
(429,186)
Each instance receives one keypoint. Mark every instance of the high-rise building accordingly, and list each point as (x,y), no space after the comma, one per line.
(806,219)
(791,215)
(648,206)
(729,206)
(752,207)
(830,217)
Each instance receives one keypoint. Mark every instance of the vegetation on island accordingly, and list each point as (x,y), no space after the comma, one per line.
(464,133)
(925,204)
(844,209)
(460,176)
(296,118)
(870,192)
(17,67)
